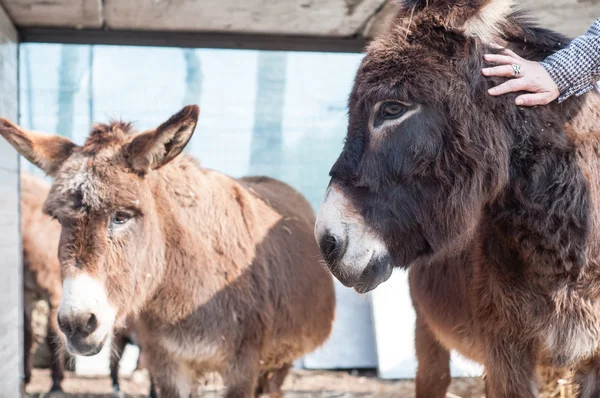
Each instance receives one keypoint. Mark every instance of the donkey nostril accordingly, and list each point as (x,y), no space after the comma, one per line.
(78,326)
(65,326)
(329,247)
(91,325)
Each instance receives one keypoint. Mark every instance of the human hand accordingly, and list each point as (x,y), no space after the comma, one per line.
(532,78)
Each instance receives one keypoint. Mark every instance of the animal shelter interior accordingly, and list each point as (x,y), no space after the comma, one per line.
(272,81)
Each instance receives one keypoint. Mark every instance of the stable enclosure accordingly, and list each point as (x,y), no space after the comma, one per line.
(283,114)
(272,96)
(10,245)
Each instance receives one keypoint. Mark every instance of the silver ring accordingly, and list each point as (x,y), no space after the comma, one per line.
(516,69)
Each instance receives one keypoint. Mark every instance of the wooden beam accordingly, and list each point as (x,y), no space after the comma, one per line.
(192,39)
(53,13)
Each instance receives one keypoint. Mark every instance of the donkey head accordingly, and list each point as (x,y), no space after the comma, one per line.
(426,147)
(111,248)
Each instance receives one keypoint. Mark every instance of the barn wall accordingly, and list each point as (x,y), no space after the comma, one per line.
(10,246)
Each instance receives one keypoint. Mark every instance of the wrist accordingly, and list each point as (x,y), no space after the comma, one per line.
(561,82)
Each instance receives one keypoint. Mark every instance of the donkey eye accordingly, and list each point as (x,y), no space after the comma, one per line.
(120,218)
(391,110)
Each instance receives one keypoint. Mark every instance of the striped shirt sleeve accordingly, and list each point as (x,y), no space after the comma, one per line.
(576,68)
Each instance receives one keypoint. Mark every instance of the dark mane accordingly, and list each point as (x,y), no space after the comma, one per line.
(116,132)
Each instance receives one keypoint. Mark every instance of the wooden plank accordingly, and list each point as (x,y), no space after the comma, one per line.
(11,292)
(352,343)
(64,13)
(333,18)
(9,206)
(193,39)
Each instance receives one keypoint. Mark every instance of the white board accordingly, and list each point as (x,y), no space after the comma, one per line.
(99,364)
(352,342)
(95,365)
(394,323)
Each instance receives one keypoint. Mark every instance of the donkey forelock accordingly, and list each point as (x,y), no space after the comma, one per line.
(96,178)
(103,136)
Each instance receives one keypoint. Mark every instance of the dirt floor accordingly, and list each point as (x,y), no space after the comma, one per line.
(300,383)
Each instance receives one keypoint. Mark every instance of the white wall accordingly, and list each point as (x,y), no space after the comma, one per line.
(394,321)
(11,313)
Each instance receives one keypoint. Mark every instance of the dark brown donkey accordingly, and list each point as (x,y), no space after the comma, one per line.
(42,281)
(222,274)
(493,207)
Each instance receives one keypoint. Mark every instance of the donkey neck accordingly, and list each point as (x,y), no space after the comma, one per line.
(544,216)
(211,227)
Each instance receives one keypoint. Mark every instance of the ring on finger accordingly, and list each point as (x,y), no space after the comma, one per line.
(516,69)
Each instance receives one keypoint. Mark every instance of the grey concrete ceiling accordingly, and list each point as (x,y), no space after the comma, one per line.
(325,18)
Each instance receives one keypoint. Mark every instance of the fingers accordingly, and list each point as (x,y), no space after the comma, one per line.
(499,59)
(509,86)
(496,46)
(512,54)
(507,56)
(532,78)
(504,71)
(533,99)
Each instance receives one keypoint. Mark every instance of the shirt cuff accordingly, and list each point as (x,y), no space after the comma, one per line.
(559,79)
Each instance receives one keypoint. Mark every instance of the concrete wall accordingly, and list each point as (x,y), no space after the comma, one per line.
(11,314)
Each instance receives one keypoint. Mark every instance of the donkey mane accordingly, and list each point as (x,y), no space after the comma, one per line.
(107,134)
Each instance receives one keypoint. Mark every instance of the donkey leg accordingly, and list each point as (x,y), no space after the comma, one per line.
(270,382)
(27,344)
(153,393)
(587,378)
(510,368)
(433,372)
(141,364)
(56,349)
(169,379)
(241,378)
(115,358)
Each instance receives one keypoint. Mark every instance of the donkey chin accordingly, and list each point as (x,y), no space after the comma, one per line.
(85,316)
(356,256)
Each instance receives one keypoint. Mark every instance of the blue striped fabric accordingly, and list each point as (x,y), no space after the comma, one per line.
(576,69)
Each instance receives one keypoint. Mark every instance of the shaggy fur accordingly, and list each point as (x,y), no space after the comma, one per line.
(493,207)
(222,274)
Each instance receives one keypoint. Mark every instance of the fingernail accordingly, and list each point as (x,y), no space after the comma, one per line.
(519,101)
(492,91)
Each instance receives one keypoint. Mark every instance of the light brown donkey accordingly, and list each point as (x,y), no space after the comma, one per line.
(42,281)
(222,274)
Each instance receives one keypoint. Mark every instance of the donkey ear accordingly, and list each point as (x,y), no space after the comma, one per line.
(474,18)
(155,148)
(48,152)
